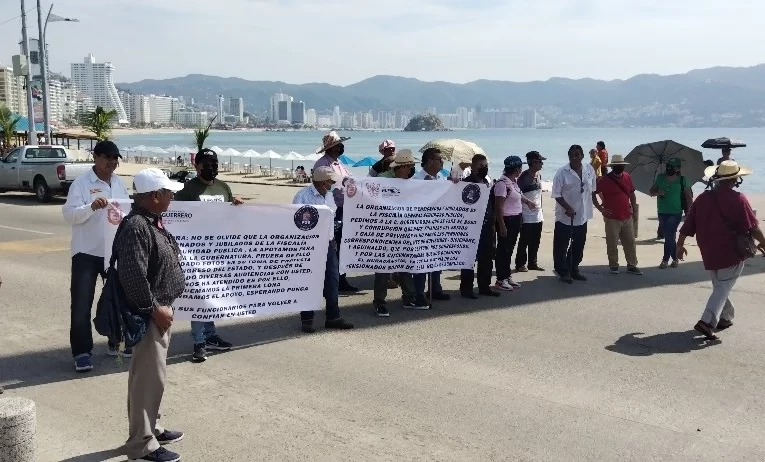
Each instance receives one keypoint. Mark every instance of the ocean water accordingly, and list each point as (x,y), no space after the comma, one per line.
(498,144)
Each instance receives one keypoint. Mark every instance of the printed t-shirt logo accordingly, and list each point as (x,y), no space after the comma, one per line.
(306,218)
(215,198)
(471,193)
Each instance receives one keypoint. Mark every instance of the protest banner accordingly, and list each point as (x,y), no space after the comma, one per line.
(416,226)
(243,261)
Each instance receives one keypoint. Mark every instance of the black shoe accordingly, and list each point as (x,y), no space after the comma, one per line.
(578,277)
(339,323)
(307,327)
(160,455)
(345,286)
(217,344)
(488,292)
(471,295)
(382,311)
(200,353)
(536,267)
(441,296)
(420,303)
(521,269)
(169,437)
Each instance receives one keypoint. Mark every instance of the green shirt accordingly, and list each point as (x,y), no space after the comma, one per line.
(195,190)
(670,202)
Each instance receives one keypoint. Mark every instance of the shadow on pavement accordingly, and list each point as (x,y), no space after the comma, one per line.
(98,456)
(670,342)
(29,199)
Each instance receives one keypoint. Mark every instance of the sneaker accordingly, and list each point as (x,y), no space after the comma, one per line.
(307,327)
(127,353)
(115,351)
(521,269)
(83,364)
(160,455)
(410,305)
(200,353)
(216,343)
(487,292)
(339,323)
(382,311)
(535,268)
(674,264)
(514,284)
(169,437)
(420,303)
(663,264)
(634,270)
(503,285)
(613,270)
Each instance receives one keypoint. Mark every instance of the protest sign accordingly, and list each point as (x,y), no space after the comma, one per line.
(241,261)
(416,226)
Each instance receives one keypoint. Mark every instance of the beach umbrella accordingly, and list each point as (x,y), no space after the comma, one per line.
(722,142)
(451,148)
(476,150)
(366,162)
(313,157)
(293,156)
(345,160)
(175,149)
(250,154)
(270,155)
(156,150)
(647,161)
(140,148)
(230,152)
(216,150)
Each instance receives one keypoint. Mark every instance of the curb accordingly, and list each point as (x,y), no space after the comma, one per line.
(259,183)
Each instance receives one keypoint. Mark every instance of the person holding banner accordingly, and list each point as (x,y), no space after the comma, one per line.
(319,194)
(206,187)
(333,148)
(88,194)
(388,150)
(401,167)
(479,171)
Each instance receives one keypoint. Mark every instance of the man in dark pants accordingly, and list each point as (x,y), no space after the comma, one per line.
(572,190)
(530,183)
(88,194)
(479,169)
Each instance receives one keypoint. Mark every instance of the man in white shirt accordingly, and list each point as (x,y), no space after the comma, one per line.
(572,190)
(88,195)
(530,183)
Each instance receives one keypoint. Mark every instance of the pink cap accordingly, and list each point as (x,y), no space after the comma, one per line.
(386,145)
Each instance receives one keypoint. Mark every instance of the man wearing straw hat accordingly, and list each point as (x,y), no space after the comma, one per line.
(333,148)
(618,207)
(719,218)
(388,150)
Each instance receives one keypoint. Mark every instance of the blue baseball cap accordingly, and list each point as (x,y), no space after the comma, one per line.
(513,162)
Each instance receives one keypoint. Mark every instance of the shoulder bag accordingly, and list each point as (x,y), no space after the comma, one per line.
(745,246)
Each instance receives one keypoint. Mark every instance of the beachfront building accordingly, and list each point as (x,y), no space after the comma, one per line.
(310,117)
(274,107)
(12,93)
(297,112)
(96,80)
(74,103)
(191,119)
(162,108)
(236,107)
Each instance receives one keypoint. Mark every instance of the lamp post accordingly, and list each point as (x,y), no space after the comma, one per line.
(44,60)
(32,134)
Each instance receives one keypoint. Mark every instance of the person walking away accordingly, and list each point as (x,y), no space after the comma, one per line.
(603,155)
(333,148)
(530,183)
(508,211)
(479,170)
(573,185)
(718,218)
(596,163)
(150,273)
(401,168)
(319,193)
(88,194)
(619,205)
(388,150)
(432,163)
(206,187)
(669,188)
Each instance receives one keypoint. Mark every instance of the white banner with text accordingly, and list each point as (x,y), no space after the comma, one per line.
(243,261)
(416,226)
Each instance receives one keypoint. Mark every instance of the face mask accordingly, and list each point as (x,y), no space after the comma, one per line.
(482,172)
(670,171)
(618,169)
(209,173)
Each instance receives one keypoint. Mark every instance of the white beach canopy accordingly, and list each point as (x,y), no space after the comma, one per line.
(293,156)
(250,154)
(270,155)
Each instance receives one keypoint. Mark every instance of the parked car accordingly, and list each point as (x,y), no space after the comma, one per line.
(44,170)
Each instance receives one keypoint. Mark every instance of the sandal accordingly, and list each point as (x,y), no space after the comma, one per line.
(706,330)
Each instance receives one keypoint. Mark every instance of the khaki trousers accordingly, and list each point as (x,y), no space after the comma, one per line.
(620,230)
(146,385)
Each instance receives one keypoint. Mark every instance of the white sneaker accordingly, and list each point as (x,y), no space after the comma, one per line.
(512,283)
(503,285)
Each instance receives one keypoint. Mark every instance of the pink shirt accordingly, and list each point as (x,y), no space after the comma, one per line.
(509,189)
(340,169)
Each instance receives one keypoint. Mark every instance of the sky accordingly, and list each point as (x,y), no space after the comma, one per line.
(345,41)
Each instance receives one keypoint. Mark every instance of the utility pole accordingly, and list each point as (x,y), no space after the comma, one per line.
(43,69)
(32,133)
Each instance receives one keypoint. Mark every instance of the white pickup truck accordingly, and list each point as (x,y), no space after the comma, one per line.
(44,170)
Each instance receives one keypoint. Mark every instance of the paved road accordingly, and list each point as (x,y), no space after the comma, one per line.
(605,370)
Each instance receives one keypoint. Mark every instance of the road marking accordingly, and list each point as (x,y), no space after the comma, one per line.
(26,230)
(36,246)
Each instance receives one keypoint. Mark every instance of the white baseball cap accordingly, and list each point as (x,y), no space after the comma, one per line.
(153,179)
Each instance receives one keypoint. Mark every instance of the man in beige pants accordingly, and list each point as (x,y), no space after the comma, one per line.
(150,274)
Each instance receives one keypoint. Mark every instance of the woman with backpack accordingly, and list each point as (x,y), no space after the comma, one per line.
(673,197)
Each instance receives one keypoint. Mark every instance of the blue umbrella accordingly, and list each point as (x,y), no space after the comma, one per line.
(365,162)
(345,160)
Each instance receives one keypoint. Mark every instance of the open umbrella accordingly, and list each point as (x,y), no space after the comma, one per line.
(451,148)
(156,150)
(216,150)
(250,154)
(722,142)
(230,152)
(476,150)
(270,155)
(314,157)
(345,160)
(293,156)
(366,162)
(648,160)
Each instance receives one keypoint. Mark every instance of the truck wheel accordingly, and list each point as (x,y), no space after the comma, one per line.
(42,191)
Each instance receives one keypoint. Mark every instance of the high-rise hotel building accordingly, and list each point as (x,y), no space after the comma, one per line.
(95,80)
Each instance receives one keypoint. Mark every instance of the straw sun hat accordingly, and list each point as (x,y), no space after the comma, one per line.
(727,170)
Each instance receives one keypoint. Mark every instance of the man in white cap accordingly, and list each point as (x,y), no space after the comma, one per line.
(151,276)
(333,148)
(719,218)
(88,195)
(319,194)
(388,150)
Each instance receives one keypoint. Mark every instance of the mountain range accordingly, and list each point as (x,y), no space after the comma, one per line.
(716,90)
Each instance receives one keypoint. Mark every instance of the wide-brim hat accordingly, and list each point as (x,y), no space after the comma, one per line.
(403,157)
(617,159)
(331,140)
(727,170)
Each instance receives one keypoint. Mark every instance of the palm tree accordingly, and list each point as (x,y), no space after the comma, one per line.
(8,121)
(99,122)
(201,134)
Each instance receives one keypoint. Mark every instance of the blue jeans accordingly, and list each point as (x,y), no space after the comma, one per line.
(331,289)
(202,330)
(669,223)
(420,281)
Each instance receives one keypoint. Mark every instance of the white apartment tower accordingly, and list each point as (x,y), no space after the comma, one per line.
(96,81)
(273,112)
(236,107)
(12,92)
